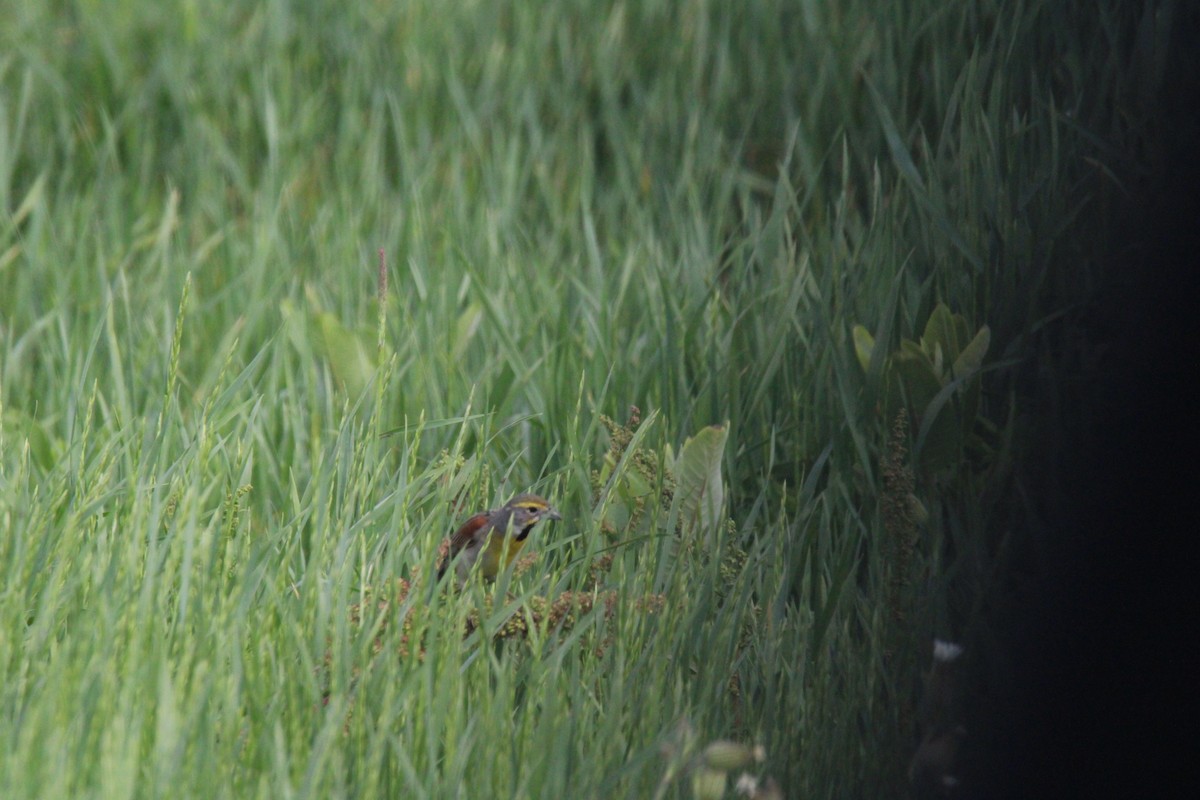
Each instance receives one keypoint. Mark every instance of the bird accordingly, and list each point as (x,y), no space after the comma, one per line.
(494,537)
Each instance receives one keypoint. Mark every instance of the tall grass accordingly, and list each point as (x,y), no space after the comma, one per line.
(210,456)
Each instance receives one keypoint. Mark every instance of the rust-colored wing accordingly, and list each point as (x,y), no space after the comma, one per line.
(463,537)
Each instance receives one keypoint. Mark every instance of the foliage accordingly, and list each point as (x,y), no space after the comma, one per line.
(936,380)
(222,435)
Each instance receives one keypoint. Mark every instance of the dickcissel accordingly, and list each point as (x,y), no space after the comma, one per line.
(493,538)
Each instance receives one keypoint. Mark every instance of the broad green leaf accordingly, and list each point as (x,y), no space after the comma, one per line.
(698,485)
(864,345)
(295,326)
(962,334)
(350,356)
(940,331)
(911,382)
(916,373)
(969,362)
(971,357)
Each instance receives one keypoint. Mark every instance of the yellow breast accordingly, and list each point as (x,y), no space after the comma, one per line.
(498,554)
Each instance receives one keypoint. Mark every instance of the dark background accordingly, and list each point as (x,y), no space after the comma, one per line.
(1103,651)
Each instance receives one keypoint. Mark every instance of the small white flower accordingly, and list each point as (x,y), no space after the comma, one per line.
(946,651)
(746,784)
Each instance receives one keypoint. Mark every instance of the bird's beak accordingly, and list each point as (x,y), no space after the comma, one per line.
(551,513)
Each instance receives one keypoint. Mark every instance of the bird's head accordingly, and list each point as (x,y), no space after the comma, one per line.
(523,512)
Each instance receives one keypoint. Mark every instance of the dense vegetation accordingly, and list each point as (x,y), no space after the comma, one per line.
(229,451)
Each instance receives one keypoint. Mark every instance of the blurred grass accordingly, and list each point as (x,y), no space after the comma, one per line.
(679,206)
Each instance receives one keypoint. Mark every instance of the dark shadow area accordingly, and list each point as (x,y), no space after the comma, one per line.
(1102,647)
